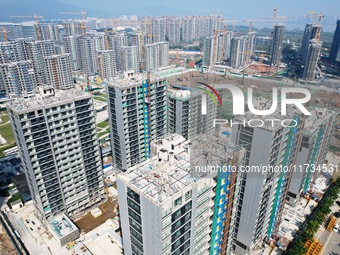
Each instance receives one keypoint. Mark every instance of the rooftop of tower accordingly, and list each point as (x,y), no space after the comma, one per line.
(167,173)
(46,97)
(319,117)
(270,122)
(130,79)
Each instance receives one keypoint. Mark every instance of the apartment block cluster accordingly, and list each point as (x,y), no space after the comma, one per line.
(159,139)
(237,51)
(27,63)
(169,207)
(45,58)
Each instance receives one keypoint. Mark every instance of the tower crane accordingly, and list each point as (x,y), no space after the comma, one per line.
(83,14)
(5,32)
(318,33)
(283,19)
(275,16)
(36,19)
(215,41)
(233,22)
(314,15)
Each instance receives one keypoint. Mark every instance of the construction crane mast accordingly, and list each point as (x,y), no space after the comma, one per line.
(83,20)
(233,22)
(215,42)
(5,32)
(314,15)
(318,34)
(36,19)
(274,16)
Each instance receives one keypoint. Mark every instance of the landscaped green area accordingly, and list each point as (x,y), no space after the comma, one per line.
(99,98)
(103,124)
(97,93)
(309,229)
(7,133)
(4,118)
(103,133)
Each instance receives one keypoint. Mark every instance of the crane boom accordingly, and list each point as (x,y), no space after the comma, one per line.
(83,14)
(36,18)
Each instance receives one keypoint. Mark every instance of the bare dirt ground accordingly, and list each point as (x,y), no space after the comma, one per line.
(6,246)
(88,222)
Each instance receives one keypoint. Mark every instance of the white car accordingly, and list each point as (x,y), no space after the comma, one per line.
(336,228)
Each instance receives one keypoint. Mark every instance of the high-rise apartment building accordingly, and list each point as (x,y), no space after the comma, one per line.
(311,60)
(9,52)
(58,71)
(29,30)
(156,55)
(88,55)
(310,33)
(57,140)
(317,134)
(137,112)
(159,29)
(72,28)
(99,40)
(22,49)
(197,27)
(14,31)
(250,46)
(174,30)
(262,194)
(216,50)
(107,64)
(37,51)
(166,210)
(129,59)
(72,46)
(334,54)
(17,79)
(238,52)
(185,112)
(277,45)
(116,42)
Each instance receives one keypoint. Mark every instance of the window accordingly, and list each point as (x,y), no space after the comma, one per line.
(188,195)
(178,201)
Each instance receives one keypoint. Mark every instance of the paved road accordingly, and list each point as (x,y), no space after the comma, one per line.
(332,247)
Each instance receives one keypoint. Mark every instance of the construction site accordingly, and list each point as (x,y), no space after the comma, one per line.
(321,96)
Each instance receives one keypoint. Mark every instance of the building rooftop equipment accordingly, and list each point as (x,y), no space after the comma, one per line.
(47,96)
(169,171)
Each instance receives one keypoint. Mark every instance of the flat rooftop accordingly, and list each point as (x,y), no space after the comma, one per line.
(62,225)
(162,176)
(160,180)
(40,100)
(265,121)
(132,80)
(319,117)
(179,94)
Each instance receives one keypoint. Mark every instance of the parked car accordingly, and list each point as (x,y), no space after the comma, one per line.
(33,222)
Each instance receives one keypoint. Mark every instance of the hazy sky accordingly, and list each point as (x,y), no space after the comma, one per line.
(232,8)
